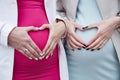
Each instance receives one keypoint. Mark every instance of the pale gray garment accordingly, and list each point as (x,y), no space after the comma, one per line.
(92,65)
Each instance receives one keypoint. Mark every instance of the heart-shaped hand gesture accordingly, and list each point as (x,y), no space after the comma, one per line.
(104,33)
(55,33)
(72,39)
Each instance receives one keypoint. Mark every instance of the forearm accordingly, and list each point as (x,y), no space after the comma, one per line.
(5,29)
(63,26)
(117,21)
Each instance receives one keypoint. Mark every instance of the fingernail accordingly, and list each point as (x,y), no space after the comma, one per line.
(41,57)
(79,48)
(87,49)
(85,27)
(84,47)
(41,54)
(46,57)
(37,28)
(36,59)
(92,49)
(30,58)
(72,49)
(51,54)
(40,28)
(98,49)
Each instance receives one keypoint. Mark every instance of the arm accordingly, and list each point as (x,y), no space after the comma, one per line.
(72,39)
(56,31)
(5,29)
(19,39)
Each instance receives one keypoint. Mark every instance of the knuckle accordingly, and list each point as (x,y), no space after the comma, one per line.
(44,24)
(51,49)
(101,33)
(32,52)
(35,48)
(107,37)
(94,48)
(31,26)
(70,33)
(31,55)
(27,40)
(54,37)
(21,44)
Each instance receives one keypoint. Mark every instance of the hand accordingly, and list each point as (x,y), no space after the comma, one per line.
(21,41)
(55,33)
(72,39)
(104,33)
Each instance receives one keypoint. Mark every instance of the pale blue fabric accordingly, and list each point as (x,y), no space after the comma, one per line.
(92,65)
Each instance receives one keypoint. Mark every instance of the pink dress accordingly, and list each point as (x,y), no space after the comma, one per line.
(32,13)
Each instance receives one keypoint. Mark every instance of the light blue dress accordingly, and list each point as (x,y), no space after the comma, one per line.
(92,65)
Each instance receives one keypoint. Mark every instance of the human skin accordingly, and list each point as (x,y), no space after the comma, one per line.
(104,33)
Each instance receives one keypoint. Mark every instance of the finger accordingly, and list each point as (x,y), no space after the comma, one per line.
(36,48)
(76,37)
(51,44)
(27,53)
(51,49)
(98,45)
(73,45)
(47,46)
(93,39)
(68,43)
(32,28)
(76,43)
(28,56)
(32,51)
(70,46)
(95,43)
(103,44)
(90,26)
(78,26)
(44,26)
(48,52)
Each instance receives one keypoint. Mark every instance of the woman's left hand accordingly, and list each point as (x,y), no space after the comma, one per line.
(104,33)
(56,31)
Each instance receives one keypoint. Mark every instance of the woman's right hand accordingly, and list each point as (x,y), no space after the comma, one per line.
(72,39)
(21,41)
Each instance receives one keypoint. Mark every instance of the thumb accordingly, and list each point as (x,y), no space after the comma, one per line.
(91,26)
(31,28)
(78,26)
(44,26)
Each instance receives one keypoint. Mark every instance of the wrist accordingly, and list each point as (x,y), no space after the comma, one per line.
(117,21)
(63,23)
(118,16)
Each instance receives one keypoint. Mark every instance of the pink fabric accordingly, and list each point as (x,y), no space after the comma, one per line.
(32,13)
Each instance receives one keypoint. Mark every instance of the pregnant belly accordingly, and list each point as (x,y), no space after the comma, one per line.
(24,64)
(103,61)
(40,38)
(87,55)
(34,17)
